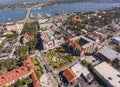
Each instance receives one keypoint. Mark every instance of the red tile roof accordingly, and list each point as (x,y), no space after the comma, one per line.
(10,31)
(15,74)
(100,35)
(11,24)
(74,44)
(77,20)
(27,36)
(41,33)
(44,41)
(28,63)
(113,25)
(74,81)
(69,74)
(36,82)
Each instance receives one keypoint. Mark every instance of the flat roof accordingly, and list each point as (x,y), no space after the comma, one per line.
(47,35)
(117,38)
(109,53)
(90,59)
(79,69)
(107,71)
(93,37)
(90,42)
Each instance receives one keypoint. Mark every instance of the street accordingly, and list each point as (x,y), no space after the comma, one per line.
(47,69)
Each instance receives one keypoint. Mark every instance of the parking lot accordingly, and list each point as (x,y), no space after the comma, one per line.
(45,81)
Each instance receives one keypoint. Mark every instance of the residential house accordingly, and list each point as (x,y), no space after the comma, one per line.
(5,32)
(77,19)
(100,35)
(27,38)
(13,27)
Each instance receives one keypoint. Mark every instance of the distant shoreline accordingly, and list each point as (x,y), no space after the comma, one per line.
(25,6)
(53,6)
(46,4)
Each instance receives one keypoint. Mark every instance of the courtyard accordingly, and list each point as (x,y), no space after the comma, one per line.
(59,58)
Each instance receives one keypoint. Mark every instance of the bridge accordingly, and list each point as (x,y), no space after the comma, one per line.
(27,18)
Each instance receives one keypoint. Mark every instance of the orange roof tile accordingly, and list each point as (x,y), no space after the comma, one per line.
(100,35)
(28,63)
(69,74)
(74,44)
(13,75)
(11,24)
(26,36)
(74,81)
(36,82)
(9,31)
(41,33)
(77,19)
(44,41)
(17,73)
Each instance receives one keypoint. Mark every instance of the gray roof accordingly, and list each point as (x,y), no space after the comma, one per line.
(110,74)
(90,42)
(109,53)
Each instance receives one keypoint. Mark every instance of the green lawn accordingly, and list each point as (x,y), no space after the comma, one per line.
(37,68)
(59,58)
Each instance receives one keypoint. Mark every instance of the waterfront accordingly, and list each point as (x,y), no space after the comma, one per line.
(4,2)
(44,52)
(13,15)
(70,8)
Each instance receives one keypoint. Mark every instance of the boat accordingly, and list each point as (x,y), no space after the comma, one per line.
(31,15)
(48,15)
(39,8)
(9,19)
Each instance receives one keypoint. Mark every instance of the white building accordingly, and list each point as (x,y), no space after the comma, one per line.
(1,39)
(14,26)
(50,41)
(116,40)
(4,56)
(11,26)
(41,21)
(79,70)
(108,54)
(109,75)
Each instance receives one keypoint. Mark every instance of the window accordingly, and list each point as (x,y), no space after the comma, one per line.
(119,82)
(109,78)
(118,75)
